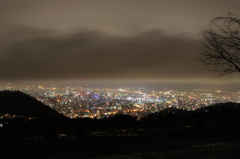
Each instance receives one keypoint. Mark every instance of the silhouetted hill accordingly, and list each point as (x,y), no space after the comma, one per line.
(216,110)
(19,103)
(222,109)
(122,118)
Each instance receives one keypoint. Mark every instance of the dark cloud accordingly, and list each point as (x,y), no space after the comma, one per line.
(91,54)
(116,17)
(107,39)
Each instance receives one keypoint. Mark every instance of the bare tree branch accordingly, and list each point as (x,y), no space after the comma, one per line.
(220,48)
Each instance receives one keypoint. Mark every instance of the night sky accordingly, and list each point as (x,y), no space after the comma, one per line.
(106,39)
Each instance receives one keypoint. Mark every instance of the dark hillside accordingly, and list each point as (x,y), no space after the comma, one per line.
(19,103)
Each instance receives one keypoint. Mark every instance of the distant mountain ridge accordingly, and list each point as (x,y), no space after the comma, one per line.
(19,103)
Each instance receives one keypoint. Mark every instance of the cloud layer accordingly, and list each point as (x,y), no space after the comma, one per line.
(107,39)
(34,54)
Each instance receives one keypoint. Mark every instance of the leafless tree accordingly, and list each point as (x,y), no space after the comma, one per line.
(221,46)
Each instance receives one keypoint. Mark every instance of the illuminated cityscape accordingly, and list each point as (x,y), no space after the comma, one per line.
(111,79)
(75,102)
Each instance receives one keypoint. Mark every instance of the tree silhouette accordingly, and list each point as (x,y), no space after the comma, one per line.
(221,46)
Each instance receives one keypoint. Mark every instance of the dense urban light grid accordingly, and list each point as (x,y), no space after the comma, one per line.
(76,102)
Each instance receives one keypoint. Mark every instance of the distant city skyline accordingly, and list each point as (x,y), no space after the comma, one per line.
(90,101)
(115,84)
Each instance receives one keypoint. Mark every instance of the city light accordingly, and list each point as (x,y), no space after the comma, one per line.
(81,102)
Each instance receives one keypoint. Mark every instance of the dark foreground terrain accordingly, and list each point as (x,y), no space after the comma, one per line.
(124,147)
(210,132)
(210,142)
